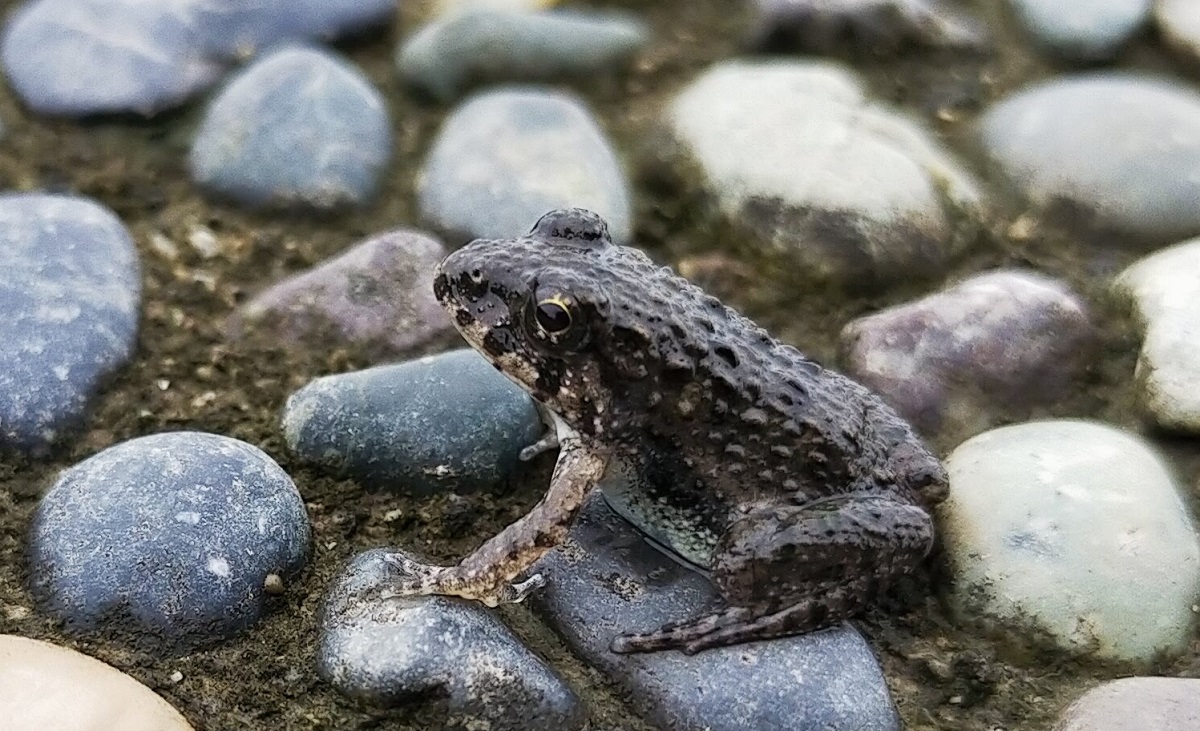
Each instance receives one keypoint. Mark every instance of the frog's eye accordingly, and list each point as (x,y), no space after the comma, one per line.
(553,315)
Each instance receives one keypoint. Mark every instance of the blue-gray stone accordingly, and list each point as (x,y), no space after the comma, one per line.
(874,26)
(1123,147)
(449,421)
(82,57)
(506,157)
(298,126)
(166,539)
(447,55)
(70,289)
(612,580)
(236,27)
(399,650)
(1083,29)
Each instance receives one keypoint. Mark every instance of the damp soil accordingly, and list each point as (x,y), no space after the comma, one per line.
(943,673)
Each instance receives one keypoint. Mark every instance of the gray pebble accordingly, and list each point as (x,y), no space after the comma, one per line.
(1134,704)
(506,157)
(447,55)
(824,183)
(1121,147)
(377,297)
(1082,29)
(298,126)
(873,26)
(238,28)
(1008,339)
(442,422)
(83,57)
(408,650)
(607,578)
(70,290)
(167,540)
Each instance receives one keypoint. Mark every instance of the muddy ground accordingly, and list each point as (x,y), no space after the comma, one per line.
(185,375)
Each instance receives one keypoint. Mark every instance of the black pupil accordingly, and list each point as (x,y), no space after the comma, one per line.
(553,317)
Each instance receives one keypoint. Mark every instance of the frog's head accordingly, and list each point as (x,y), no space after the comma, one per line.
(536,307)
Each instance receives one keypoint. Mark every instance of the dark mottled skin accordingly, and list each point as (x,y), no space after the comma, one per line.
(799,491)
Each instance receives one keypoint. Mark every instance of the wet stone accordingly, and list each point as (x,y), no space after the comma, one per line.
(392,651)
(444,422)
(826,183)
(1135,704)
(446,56)
(506,157)
(1165,290)
(1122,147)
(607,579)
(376,297)
(299,126)
(872,26)
(84,57)
(1010,340)
(167,539)
(70,289)
(1082,29)
(1072,532)
(44,686)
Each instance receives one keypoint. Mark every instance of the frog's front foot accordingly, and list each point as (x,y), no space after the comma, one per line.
(413,578)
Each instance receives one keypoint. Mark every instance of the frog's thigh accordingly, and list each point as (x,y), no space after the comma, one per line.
(784,553)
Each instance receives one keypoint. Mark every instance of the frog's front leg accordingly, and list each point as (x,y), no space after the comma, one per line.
(487,574)
(791,569)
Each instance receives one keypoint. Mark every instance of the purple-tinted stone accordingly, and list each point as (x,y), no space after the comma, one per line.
(378,297)
(1010,338)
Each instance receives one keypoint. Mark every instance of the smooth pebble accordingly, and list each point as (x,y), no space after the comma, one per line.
(1082,29)
(1136,704)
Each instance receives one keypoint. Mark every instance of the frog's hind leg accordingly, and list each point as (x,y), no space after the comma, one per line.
(786,570)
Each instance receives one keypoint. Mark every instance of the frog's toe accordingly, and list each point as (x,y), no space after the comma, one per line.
(411,577)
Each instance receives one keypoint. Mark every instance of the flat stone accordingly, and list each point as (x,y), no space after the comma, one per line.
(298,126)
(825,183)
(1082,29)
(1007,339)
(167,540)
(376,297)
(70,290)
(84,57)
(1178,23)
(444,422)
(446,56)
(607,579)
(873,26)
(392,651)
(1122,147)
(1073,532)
(44,686)
(448,8)
(1135,704)
(1165,290)
(506,157)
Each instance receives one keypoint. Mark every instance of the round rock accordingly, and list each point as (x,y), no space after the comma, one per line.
(1075,532)
(874,26)
(1082,29)
(70,288)
(392,650)
(83,57)
(1165,290)
(298,126)
(826,183)
(608,578)
(377,297)
(44,686)
(1121,147)
(449,421)
(1005,339)
(506,157)
(1134,704)
(447,55)
(167,539)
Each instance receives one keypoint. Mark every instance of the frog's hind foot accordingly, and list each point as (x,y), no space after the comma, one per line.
(680,635)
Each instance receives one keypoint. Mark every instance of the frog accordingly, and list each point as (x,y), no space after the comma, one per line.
(799,493)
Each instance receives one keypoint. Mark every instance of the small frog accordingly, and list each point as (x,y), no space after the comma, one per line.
(800,493)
